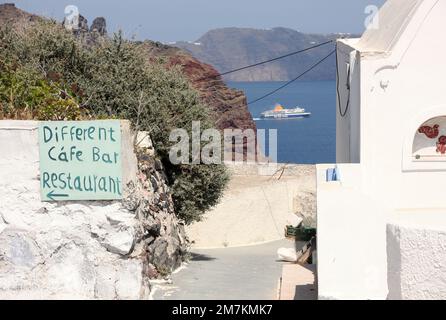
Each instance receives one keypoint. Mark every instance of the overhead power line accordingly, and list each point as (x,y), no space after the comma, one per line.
(342,113)
(295,79)
(267,61)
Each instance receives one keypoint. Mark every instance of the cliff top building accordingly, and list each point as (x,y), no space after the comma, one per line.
(382,223)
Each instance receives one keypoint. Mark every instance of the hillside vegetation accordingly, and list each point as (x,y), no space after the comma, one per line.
(47,73)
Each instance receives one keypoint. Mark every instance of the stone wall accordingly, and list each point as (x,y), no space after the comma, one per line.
(83,249)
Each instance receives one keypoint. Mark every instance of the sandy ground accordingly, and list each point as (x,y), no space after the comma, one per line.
(255,209)
(243,273)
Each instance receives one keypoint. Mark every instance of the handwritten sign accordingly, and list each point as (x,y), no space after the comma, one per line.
(80,160)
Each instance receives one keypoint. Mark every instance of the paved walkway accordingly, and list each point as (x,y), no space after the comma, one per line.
(227,274)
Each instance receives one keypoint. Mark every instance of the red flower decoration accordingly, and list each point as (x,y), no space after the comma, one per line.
(441,145)
(430,132)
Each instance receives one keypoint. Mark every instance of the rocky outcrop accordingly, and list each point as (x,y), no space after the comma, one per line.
(163,244)
(99,25)
(83,25)
(75,251)
(229,105)
(98,28)
(82,249)
(10,14)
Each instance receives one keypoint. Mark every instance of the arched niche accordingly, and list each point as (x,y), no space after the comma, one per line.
(424,146)
(429,143)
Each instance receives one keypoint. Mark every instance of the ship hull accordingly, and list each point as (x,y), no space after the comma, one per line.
(286,116)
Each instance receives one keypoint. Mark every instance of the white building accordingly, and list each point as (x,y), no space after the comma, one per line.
(382,226)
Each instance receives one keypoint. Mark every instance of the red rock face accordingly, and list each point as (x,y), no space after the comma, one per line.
(229,106)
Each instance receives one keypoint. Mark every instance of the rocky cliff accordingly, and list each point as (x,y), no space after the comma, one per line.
(228,105)
(231,48)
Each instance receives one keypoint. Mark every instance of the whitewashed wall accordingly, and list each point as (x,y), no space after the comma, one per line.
(67,250)
(416,253)
(402,85)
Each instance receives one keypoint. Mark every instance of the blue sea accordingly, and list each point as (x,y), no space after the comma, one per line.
(305,140)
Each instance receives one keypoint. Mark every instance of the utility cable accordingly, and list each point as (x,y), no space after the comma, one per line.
(267,61)
(342,113)
(293,80)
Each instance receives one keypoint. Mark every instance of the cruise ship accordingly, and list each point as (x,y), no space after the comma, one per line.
(280,113)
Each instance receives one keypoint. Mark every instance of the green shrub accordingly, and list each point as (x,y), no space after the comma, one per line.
(23,95)
(197,188)
(52,103)
(30,82)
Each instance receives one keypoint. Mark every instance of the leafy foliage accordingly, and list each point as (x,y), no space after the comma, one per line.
(28,89)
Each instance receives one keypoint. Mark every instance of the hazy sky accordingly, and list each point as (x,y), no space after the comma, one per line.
(172,20)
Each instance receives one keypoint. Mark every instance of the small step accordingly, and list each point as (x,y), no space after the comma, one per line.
(298,282)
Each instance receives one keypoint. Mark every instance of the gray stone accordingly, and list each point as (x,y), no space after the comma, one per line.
(120,242)
(305,207)
(99,25)
(165,254)
(154,182)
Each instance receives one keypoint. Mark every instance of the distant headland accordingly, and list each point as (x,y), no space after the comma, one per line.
(229,48)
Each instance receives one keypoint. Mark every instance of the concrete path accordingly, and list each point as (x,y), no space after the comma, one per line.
(227,274)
